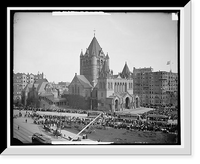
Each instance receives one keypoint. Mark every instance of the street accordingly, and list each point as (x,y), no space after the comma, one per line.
(23,130)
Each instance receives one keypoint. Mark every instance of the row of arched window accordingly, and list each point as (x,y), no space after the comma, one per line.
(86,62)
(75,89)
(122,86)
(89,62)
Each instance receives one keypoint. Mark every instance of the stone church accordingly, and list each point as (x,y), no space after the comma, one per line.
(98,86)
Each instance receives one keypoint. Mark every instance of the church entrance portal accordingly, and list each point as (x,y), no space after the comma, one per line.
(127,102)
(116,104)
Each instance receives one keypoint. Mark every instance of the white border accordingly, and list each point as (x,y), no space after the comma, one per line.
(8,78)
(185,72)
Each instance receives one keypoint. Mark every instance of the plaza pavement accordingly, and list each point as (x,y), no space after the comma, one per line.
(27,129)
(137,110)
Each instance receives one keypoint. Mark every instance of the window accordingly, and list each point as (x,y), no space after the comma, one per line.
(101,94)
(100,85)
(108,85)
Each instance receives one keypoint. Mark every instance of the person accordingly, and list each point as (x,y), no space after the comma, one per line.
(26,120)
(18,127)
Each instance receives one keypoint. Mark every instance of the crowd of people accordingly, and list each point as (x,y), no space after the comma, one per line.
(107,120)
(171,113)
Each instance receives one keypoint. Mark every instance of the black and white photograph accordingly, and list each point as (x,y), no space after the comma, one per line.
(95,78)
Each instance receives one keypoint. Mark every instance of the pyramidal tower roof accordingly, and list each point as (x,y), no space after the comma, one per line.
(94,47)
(125,69)
(126,72)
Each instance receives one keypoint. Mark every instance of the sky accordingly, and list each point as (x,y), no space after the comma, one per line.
(52,43)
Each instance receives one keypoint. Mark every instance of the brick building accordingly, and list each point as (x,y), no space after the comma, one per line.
(155,88)
(20,81)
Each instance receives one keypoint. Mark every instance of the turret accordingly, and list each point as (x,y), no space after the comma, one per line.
(81,53)
(81,62)
(107,59)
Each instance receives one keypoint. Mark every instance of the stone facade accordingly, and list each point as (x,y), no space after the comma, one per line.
(97,86)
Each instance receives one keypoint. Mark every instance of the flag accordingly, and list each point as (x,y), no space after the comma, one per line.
(168,63)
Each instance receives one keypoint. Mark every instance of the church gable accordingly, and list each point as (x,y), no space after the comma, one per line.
(74,81)
(80,80)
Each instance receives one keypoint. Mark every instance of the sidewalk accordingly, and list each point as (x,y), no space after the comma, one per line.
(138,110)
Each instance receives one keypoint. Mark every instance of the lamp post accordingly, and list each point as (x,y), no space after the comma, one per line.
(91,104)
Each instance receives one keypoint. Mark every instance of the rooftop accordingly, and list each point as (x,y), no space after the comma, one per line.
(94,48)
(84,81)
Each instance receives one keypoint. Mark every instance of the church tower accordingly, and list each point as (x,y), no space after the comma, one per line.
(92,62)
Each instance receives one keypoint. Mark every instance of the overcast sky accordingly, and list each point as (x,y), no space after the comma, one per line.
(52,44)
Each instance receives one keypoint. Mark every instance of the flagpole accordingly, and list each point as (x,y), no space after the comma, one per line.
(170,66)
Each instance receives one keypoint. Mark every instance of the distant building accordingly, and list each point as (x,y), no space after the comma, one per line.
(31,89)
(155,88)
(20,80)
(62,87)
(42,94)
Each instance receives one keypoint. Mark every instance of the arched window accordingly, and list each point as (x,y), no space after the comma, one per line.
(108,85)
(111,85)
(115,87)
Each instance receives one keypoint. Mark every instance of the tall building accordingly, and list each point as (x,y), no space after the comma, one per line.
(97,86)
(155,88)
(20,81)
(91,62)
